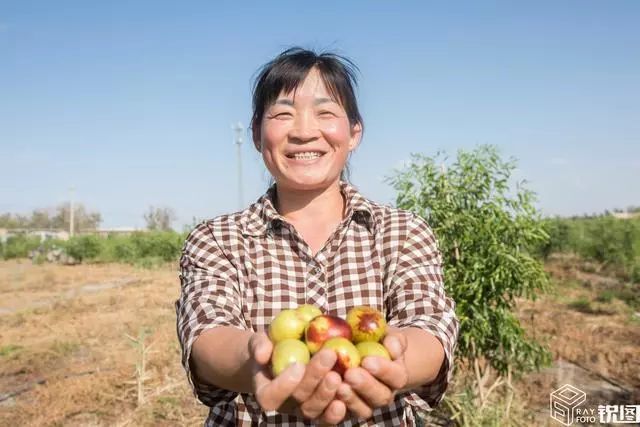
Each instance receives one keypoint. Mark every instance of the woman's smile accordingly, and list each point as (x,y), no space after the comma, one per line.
(305,158)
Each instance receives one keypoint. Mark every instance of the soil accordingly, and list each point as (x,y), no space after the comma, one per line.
(72,336)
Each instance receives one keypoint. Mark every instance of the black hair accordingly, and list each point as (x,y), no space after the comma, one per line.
(289,69)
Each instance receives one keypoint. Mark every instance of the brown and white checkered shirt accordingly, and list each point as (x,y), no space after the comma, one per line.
(242,269)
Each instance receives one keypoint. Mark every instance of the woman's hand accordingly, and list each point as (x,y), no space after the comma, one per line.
(377,381)
(308,391)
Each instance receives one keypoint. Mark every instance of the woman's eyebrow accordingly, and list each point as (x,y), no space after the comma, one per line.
(317,101)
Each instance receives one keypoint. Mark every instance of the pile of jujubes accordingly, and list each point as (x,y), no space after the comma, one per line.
(297,334)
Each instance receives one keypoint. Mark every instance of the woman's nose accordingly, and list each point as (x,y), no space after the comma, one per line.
(305,127)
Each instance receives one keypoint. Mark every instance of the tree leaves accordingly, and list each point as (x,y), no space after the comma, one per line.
(485,229)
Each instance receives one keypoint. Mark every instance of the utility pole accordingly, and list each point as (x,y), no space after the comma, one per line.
(238,128)
(71,209)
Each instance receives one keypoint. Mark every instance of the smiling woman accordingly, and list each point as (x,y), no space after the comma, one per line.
(302,93)
(305,138)
(312,239)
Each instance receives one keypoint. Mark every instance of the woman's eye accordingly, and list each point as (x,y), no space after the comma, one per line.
(326,113)
(282,115)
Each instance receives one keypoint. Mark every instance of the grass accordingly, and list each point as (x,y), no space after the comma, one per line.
(582,304)
(80,346)
(9,350)
(505,408)
(586,306)
(65,348)
(606,296)
(627,293)
(634,319)
(630,294)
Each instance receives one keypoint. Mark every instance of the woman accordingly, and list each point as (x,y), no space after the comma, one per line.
(312,239)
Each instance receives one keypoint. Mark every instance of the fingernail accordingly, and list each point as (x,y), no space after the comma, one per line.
(370,364)
(394,346)
(355,379)
(326,360)
(344,392)
(297,371)
(333,383)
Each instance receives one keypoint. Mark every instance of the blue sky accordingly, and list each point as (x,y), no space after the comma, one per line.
(132,102)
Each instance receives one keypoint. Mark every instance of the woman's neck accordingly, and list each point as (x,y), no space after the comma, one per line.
(309,206)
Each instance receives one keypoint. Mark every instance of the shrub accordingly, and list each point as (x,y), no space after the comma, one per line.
(165,245)
(613,242)
(139,248)
(19,246)
(84,247)
(485,230)
(635,272)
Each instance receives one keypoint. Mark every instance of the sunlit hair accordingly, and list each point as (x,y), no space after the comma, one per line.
(288,70)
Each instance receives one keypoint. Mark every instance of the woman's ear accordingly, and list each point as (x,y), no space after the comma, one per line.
(356,136)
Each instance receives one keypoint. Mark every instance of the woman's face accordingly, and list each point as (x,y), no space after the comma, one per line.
(305,141)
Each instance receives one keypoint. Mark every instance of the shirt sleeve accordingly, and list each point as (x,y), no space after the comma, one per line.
(209,297)
(417,299)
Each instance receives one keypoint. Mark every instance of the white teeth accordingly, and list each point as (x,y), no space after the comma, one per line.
(306,156)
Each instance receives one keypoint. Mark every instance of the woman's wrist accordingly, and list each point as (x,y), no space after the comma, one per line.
(424,357)
(220,357)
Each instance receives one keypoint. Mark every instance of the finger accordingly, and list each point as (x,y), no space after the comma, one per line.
(353,402)
(321,363)
(396,343)
(322,397)
(271,394)
(393,374)
(335,412)
(372,391)
(260,348)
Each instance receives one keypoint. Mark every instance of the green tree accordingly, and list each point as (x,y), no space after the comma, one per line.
(12,221)
(83,220)
(55,219)
(485,230)
(40,219)
(159,219)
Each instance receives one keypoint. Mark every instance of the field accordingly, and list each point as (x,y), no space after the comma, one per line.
(67,349)
(96,344)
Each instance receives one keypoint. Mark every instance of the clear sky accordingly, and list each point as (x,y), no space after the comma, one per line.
(132,102)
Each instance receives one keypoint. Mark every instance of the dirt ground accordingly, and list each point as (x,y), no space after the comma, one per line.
(67,349)
(96,345)
(594,338)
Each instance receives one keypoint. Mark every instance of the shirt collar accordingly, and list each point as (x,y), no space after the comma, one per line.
(262,215)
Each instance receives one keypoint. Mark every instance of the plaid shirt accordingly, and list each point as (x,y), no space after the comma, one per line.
(242,269)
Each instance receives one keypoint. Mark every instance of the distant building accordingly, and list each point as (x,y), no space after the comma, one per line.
(49,234)
(4,234)
(625,215)
(42,234)
(121,231)
(64,235)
